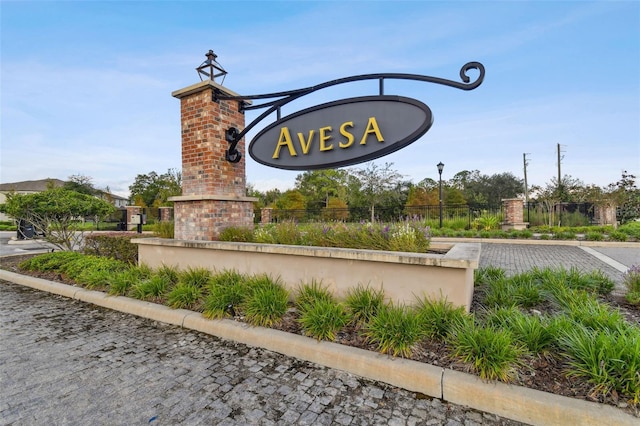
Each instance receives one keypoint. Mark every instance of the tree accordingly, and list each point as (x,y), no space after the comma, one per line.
(376,182)
(627,196)
(318,186)
(56,213)
(487,190)
(82,184)
(293,201)
(153,190)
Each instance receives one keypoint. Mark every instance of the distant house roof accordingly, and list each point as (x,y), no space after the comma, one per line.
(31,185)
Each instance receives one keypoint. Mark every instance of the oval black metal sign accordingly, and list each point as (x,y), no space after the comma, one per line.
(341,133)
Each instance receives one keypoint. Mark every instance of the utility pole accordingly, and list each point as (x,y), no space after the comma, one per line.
(526,187)
(559,175)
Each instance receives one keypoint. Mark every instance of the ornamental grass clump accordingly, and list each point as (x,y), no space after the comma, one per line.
(308,294)
(227,291)
(631,281)
(151,288)
(184,296)
(438,317)
(492,353)
(267,302)
(363,303)
(322,319)
(535,332)
(395,330)
(121,282)
(515,291)
(608,359)
(486,274)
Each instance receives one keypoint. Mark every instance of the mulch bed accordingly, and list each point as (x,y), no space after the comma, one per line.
(543,373)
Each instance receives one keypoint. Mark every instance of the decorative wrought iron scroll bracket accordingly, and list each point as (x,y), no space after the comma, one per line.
(234,136)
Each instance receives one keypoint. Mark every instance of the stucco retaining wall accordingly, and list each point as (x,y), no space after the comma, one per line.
(404,277)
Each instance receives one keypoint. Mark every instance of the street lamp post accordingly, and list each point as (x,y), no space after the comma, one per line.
(440,167)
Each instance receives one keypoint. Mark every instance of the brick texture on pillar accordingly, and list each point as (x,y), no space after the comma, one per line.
(213,189)
(513,212)
(265,215)
(132,210)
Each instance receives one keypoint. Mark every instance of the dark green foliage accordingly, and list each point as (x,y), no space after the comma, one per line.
(439,316)
(116,245)
(364,303)
(242,234)
(395,329)
(323,319)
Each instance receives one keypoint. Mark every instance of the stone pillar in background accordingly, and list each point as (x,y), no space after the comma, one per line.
(513,211)
(131,211)
(166,214)
(265,215)
(605,215)
(213,189)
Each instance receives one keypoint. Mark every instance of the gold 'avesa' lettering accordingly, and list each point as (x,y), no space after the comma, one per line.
(344,132)
(284,140)
(372,128)
(306,144)
(325,135)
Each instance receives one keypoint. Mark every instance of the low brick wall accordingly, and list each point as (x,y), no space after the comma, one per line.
(404,277)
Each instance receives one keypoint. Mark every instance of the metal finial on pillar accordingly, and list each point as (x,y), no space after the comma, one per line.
(211,68)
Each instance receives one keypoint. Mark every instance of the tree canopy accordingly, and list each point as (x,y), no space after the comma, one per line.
(56,212)
(154,190)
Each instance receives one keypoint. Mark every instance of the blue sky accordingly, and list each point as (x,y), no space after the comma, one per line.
(86,85)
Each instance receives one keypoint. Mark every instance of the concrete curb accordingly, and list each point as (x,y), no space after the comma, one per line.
(510,401)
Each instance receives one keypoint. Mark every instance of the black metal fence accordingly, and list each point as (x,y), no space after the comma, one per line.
(454,216)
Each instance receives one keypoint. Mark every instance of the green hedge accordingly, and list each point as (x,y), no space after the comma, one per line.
(115,245)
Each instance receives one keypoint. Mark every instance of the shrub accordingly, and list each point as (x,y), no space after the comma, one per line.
(164,229)
(241,234)
(617,236)
(594,236)
(323,318)
(395,329)
(493,354)
(49,261)
(632,229)
(116,245)
(364,303)
(631,280)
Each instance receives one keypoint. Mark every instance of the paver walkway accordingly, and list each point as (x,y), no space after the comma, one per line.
(64,362)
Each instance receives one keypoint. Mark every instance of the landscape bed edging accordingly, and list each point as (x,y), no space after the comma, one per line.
(510,401)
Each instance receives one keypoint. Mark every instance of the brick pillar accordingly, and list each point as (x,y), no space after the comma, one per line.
(606,215)
(265,215)
(213,189)
(132,210)
(166,214)
(513,212)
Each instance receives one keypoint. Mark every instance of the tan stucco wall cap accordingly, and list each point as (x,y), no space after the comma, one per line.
(462,255)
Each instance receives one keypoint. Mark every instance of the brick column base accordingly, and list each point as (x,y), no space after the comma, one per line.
(204,218)
(513,211)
